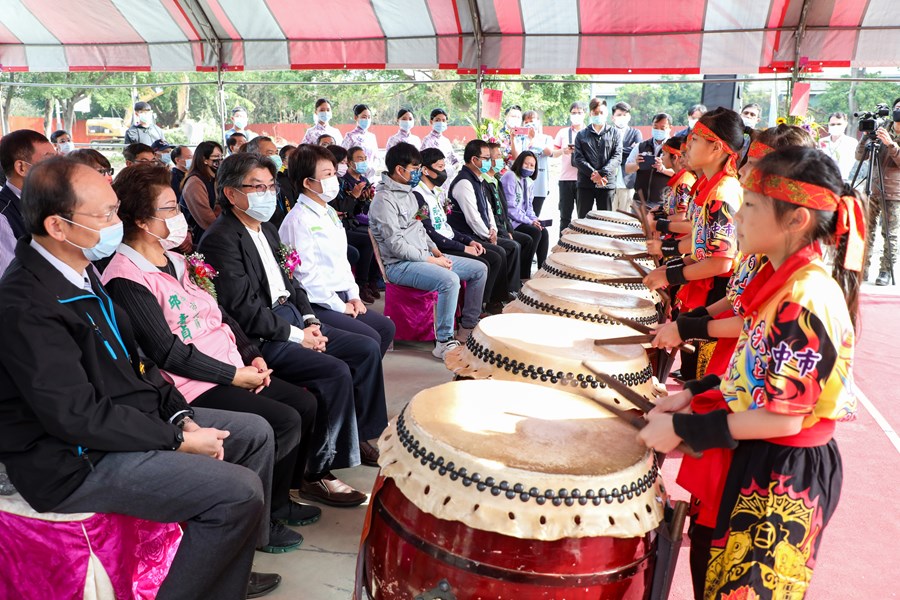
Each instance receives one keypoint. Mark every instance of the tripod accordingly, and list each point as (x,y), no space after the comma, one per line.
(873,152)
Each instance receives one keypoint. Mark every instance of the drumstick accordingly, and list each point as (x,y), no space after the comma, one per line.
(640,268)
(641,328)
(625,340)
(625,212)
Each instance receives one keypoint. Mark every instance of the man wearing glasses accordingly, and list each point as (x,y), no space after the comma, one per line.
(750,115)
(19,152)
(139,154)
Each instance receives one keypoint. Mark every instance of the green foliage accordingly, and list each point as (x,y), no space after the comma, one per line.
(868,94)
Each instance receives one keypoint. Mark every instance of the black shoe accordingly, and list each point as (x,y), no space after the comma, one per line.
(296,514)
(262,583)
(368,454)
(884,278)
(281,539)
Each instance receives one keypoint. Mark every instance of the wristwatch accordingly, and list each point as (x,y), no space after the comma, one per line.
(179,439)
(310,322)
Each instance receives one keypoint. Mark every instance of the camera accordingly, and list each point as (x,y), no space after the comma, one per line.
(869,122)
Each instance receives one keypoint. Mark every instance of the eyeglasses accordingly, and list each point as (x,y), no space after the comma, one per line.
(216,161)
(750,113)
(110,171)
(176,209)
(262,188)
(151,161)
(102,216)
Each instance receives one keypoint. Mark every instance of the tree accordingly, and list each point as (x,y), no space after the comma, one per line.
(866,95)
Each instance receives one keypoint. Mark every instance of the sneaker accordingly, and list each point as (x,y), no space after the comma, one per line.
(281,539)
(442,348)
(296,514)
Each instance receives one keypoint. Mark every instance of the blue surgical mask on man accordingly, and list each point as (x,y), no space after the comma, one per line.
(278,162)
(659,135)
(598,119)
(362,167)
(110,238)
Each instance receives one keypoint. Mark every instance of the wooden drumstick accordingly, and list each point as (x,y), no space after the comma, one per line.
(641,328)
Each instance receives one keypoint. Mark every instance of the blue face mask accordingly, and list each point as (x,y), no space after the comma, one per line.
(527,172)
(362,167)
(110,238)
(485,165)
(406,125)
(363,124)
(499,164)
(415,177)
(324,115)
(277,160)
(597,120)
(439,126)
(659,135)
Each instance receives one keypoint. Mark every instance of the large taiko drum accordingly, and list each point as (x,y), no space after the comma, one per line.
(507,490)
(584,243)
(582,300)
(551,351)
(615,216)
(608,229)
(597,269)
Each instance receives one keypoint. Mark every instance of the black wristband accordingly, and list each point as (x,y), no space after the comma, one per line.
(698,312)
(698,386)
(693,328)
(702,432)
(670,248)
(662,225)
(675,275)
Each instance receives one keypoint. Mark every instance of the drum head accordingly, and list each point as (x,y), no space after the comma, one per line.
(595,244)
(615,217)
(597,269)
(605,228)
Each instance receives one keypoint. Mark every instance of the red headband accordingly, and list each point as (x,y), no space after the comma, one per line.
(758,150)
(672,151)
(850,220)
(708,134)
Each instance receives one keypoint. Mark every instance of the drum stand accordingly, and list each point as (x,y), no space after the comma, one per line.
(873,148)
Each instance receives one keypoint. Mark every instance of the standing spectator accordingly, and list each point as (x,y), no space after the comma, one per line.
(412,259)
(321,128)
(362,137)
(139,154)
(512,121)
(235,142)
(840,147)
(598,155)
(750,115)
(143,131)
(693,115)
(646,161)
(518,185)
(631,137)
(19,152)
(541,146)
(198,191)
(568,174)
(889,158)
(182,156)
(63,141)
(436,139)
(405,121)
(239,121)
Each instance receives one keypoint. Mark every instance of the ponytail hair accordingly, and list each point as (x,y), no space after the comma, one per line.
(809,165)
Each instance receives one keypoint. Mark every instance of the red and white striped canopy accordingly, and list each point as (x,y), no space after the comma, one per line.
(502,36)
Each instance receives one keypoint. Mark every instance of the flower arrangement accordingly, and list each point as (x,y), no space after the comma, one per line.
(201,273)
(289,259)
(807,123)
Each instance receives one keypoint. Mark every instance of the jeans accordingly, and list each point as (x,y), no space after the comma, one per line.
(430,277)
(567,191)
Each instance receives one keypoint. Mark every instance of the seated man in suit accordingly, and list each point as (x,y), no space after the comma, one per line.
(342,369)
(89,426)
(19,152)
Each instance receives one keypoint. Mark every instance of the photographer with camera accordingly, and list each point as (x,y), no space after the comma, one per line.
(883,137)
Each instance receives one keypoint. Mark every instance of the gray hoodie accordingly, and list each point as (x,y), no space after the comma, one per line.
(392,220)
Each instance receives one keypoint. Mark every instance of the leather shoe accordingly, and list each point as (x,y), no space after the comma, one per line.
(262,583)
(884,278)
(368,453)
(366,295)
(331,491)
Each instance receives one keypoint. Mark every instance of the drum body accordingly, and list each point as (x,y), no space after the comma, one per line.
(596,269)
(509,490)
(614,216)
(608,229)
(598,245)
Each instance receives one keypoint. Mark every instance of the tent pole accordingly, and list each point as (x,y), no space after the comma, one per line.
(801,33)
(479,46)
(220,93)
(2,115)
(479,87)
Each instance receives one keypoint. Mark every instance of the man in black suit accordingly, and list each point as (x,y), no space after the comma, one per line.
(19,151)
(342,369)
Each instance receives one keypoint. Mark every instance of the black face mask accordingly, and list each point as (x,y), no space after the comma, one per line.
(440,179)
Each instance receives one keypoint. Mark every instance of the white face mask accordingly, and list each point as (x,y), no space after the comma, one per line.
(621,121)
(187,163)
(260,205)
(178,230)
(836,130)
(66,147)
(330,188)
(691,123)
(513,122)
(576,119)
(342,170)
(748,122)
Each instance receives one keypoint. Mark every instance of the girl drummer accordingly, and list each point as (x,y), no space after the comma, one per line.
(789,381)
(711,248)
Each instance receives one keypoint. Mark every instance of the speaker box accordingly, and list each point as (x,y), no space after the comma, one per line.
(722,93)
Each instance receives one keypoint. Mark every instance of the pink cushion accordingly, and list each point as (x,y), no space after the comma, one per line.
(412,312)
(50,558)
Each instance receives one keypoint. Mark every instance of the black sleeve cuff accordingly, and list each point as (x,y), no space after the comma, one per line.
(698,312)
(693,328)
(675,275)
(703,432)
(698,386)
(662,225)
(670,248)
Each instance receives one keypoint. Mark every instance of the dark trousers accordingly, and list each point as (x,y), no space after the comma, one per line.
(567,193)
(701,543)
(537,204)
(540,240)
(588,197)
(366,267)
(372,324)
(222,502)
(348,382)
(513,249)
(494,258)
(289,410)
(526,244)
